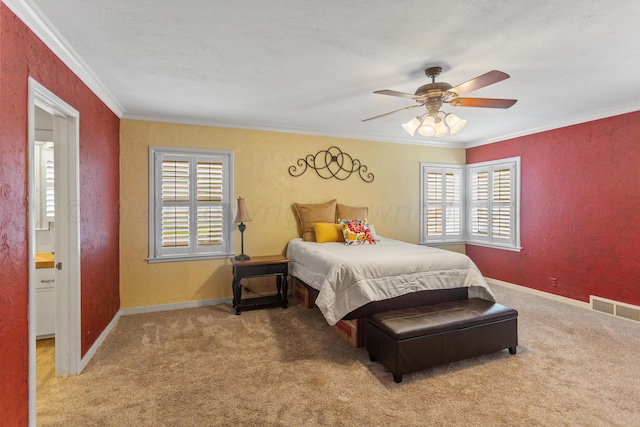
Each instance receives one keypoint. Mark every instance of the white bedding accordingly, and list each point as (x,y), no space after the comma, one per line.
(348,277)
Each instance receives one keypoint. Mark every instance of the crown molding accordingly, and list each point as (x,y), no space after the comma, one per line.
(286,129)
(33,17)
(572,121)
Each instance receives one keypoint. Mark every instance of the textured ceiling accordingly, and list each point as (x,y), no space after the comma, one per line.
(311,66)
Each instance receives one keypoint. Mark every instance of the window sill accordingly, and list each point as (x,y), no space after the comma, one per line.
(188,258)
(444,243)
(495,246)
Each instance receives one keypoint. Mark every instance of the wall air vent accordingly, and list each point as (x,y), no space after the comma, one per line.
(615,308)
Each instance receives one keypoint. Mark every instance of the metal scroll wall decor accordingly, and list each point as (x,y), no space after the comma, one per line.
(331,163)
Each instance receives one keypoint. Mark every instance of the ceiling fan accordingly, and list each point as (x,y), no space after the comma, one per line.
(433,95)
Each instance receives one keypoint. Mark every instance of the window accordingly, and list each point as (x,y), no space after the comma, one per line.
(486,211)
(190,204)
(45,185)
(493,206)
(442,204)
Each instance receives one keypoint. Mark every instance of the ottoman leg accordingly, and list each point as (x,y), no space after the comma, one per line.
(372,357)
(512,350)
(397,378)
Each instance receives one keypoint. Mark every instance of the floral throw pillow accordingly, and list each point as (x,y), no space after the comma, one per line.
(357,232)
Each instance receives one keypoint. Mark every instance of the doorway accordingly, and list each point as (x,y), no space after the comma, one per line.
(45,306)
(66,233)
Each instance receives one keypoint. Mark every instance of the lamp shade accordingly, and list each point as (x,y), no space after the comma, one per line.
(441,128)
(454,122)
(412,125)
(428,127)
(241,212)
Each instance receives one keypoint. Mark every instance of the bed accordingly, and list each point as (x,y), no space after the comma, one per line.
(359,280)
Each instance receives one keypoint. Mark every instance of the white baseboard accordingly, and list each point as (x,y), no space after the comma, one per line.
(543,294)
(92,350)
(175,306)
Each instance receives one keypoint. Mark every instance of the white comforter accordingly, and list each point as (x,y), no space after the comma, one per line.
(349,277)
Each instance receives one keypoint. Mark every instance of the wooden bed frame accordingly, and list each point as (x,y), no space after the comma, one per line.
(351,326)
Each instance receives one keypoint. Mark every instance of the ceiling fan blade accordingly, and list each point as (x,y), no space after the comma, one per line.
(482,102)
(486,79)
(396,93)
(391,112)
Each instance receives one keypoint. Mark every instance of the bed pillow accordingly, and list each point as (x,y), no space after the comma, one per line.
(373,233)
(328,232)
(356,232)
(307,214)
(350,212)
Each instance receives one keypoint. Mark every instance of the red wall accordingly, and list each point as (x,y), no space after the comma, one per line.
(580,211)
(22,55)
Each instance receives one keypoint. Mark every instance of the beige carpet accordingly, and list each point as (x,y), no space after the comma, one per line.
(275,367)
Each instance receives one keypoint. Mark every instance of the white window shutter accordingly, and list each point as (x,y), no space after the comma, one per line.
(175,199)
(49,196)
(484,211)
(209,186)
(442,204)
(210,217)
(190,215)
(175,180)
(453,204)
(479,217)
(493,204)
(501,204)
(434,204)
(175,226)
(210,229)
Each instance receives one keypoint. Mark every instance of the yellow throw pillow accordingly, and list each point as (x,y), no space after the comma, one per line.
(328,232)
(307,214)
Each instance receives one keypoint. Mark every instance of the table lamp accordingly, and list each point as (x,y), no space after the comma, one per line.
(241,217)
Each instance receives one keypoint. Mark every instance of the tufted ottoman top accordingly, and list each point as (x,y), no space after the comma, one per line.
(438,318)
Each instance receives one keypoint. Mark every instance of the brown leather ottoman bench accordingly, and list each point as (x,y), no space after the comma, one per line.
(413,339)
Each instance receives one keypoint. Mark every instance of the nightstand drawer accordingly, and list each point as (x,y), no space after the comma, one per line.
(274,265)
(261,270)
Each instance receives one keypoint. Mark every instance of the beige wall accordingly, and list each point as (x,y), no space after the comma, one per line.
(261,176)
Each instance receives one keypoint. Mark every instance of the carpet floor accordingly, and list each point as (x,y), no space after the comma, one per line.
(273,367)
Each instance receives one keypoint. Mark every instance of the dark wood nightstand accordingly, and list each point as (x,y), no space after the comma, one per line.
(258,266)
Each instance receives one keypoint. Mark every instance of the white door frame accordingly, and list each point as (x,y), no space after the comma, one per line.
(67,234)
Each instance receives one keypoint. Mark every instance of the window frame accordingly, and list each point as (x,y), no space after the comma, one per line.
(443,238)
(491,240)
(193,251)
(467,204)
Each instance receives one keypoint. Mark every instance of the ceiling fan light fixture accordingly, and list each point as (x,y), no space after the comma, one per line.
(455,123)
(441,128)
(428,127)
(412,125)
(433,95)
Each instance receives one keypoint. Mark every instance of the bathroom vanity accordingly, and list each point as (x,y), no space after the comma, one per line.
(45,295)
